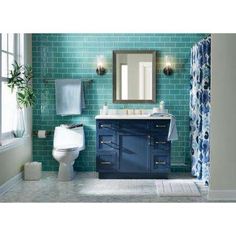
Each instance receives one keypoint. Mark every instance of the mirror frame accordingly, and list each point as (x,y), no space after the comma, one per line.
(114,54)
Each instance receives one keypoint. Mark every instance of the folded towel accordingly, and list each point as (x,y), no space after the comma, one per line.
(69,97)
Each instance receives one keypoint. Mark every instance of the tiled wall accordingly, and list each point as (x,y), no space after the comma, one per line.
(74,56)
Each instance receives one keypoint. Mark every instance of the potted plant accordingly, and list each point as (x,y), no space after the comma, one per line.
(21,80)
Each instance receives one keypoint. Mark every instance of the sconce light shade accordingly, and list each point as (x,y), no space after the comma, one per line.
(100,65)
(101,71)
(168,70)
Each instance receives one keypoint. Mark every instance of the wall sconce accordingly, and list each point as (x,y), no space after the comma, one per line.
(100,65)
(168,70)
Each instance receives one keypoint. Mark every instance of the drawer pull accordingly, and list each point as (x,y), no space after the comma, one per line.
(106,126)
(105,162)
(106,142)
(160,142)
(160,162)
(160,126)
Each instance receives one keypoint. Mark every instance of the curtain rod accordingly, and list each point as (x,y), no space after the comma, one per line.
(46,81)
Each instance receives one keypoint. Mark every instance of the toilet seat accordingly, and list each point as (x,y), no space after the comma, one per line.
(65,149)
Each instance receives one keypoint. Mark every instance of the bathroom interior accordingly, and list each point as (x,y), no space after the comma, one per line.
(101,117)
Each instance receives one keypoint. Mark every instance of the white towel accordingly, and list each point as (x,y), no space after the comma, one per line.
(172,134)
(69,97)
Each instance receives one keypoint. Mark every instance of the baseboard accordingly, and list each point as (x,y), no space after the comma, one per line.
(10,183)
(222,195)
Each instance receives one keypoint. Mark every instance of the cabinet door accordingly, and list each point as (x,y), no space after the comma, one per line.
(133,153)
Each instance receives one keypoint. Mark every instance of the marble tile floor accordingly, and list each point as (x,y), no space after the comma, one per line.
(86,187)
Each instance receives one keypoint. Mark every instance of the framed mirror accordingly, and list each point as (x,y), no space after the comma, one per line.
(134,76)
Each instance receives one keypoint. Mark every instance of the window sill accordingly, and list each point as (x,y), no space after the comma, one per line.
(12,143)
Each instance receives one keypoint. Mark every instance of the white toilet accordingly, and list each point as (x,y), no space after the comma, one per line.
(67,144)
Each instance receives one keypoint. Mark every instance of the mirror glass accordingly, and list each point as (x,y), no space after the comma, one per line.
(134,76)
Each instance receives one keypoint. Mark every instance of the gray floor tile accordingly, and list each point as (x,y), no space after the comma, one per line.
(86,187)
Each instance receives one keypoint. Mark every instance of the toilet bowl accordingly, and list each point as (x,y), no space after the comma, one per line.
(67,144)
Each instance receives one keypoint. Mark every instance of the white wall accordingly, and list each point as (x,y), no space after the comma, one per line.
(223,118)
(12,159)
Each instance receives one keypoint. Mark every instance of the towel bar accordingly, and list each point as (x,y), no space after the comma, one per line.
(46,81)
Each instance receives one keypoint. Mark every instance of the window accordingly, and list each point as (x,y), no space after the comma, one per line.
(11,49)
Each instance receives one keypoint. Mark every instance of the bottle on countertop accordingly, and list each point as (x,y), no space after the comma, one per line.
(162,106)
(105,109)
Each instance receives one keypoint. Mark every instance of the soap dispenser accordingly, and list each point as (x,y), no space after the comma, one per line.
(105,109)
(162,106)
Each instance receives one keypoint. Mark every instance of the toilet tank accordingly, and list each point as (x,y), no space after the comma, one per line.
(69,138)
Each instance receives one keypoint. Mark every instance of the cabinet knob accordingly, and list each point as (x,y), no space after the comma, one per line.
(160,162)
(160,126)
(105,162)
(106,126)
(160,142)
(106,142)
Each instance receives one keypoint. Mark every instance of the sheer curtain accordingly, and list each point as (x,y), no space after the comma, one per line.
(9,110)
(200,108)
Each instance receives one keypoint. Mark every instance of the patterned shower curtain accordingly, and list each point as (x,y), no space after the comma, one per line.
(200,108)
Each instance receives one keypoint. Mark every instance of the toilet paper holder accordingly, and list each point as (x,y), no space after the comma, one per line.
(47,133)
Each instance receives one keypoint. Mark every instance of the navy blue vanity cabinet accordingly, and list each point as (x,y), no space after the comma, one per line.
(132,148)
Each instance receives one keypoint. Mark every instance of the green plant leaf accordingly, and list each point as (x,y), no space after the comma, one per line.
(20,78)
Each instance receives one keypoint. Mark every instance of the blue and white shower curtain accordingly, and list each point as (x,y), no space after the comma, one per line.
(200,108)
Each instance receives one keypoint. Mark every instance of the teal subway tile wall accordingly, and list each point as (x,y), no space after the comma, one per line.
(57,56)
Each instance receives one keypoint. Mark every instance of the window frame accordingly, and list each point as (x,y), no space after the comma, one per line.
(17,37)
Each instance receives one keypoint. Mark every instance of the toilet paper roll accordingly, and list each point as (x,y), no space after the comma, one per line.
(42,134)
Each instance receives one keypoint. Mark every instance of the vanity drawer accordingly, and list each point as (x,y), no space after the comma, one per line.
(161,163)
(160,145)
(133,127)
(106,126)
(160,128)
(106,142)
(107,162)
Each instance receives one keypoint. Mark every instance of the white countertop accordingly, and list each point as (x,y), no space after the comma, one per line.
(131,117)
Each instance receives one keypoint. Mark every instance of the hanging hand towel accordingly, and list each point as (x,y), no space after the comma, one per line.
(69,97)
(172,135)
